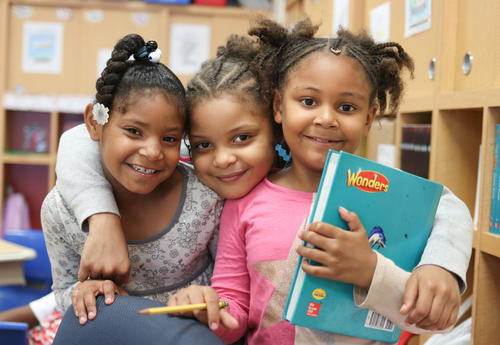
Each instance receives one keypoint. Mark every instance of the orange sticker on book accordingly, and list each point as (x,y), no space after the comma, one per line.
(313,309)
(319,294)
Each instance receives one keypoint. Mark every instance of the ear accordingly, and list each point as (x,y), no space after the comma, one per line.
(93,127)
(372,112)
(277,107)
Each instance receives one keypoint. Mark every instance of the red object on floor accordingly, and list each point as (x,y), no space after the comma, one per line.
(210,2)
(404,337)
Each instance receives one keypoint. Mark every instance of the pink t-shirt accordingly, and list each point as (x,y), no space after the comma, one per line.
(256,261)
(256,235)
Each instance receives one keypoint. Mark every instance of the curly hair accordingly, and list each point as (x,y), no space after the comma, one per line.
(282,49)
(122,76)
(233,71)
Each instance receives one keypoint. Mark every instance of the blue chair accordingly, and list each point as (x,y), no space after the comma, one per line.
(37,271)
(13,333)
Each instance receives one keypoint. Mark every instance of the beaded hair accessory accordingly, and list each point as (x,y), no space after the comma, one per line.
(283,153)
(149,52)
(335,47)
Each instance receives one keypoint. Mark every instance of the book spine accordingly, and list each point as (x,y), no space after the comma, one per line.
(299,275)
(494,189)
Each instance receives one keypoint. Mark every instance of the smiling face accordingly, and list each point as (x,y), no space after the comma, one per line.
(139,147)
(324,104)
(232,144)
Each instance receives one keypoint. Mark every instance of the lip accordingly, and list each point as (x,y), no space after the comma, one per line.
(228,178)
(323,141)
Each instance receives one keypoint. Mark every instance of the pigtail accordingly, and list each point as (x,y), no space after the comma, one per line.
(391,59)
(116,66)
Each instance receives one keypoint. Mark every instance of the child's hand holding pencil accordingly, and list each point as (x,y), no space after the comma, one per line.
(178,308)
(202,302)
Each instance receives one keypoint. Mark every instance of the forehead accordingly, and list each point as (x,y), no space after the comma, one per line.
(326,68)
(225,110)
(154,109)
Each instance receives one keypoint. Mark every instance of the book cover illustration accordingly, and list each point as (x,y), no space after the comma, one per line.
(397,211)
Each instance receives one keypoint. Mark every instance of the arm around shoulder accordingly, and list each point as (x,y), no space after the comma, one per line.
(80,177)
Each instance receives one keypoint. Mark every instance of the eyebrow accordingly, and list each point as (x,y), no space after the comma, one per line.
(353,94)
(345,94)
(144,124)
(234,130)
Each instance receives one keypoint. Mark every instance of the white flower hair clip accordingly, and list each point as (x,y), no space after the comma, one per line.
(149,52)
(100,113)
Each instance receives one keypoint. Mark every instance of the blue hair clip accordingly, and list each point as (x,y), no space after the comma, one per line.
(149,52)
(141,54)
(282,153)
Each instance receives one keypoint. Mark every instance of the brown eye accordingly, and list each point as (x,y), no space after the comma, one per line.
(133,131)
(202,146)
(346,108)
(308,102)
(242,137)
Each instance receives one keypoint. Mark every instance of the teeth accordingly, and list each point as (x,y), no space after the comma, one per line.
(322,140)
(142,170)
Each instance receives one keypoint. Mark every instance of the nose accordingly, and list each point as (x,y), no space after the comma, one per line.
(326,117)
(152,150)
(223,158)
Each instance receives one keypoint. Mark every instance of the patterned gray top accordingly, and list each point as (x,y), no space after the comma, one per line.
(182,254)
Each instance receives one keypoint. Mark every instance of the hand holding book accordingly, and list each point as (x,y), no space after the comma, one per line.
(397,210)
(344,255)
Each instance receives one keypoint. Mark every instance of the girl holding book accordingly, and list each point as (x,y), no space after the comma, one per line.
(223,122)
(328,93)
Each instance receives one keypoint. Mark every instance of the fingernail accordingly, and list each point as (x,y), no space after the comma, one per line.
(214,326)
(342,209)
(91,315)
(82,320)
(108,300)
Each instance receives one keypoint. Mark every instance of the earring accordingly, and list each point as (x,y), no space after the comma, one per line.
(282,153)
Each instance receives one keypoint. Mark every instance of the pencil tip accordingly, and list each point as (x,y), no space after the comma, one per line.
(144,312)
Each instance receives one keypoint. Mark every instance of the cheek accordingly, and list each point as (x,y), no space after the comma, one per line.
(201,164)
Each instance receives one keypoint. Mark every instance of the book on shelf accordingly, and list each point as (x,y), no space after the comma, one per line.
(397,210)
(494,225)
(416,148)
(477,201)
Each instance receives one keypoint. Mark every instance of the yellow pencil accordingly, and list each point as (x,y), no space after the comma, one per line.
(178,308)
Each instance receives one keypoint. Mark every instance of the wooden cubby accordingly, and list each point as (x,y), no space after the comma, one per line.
(55,101)
(463,109)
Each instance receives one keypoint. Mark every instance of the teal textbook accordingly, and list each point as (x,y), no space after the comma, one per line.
(397,210)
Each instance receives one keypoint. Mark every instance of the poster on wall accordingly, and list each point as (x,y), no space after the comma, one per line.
(380,22)
(189,47)
(42,47)
(417,16)
(340,15)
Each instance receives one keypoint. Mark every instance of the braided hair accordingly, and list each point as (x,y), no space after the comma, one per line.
(233,71)
(123,76)
(282,49)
